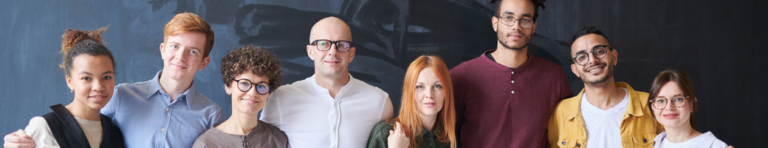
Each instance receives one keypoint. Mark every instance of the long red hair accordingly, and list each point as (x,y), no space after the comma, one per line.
(409,115)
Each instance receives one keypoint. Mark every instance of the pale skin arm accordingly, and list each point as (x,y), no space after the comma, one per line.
(397,138)
(18,139)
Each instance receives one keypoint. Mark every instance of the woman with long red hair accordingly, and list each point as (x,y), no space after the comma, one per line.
(427,117)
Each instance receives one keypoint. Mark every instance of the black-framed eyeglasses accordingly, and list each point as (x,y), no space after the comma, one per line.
(509,20)
(661,102)
(599,51)
(245,85)
(325,45)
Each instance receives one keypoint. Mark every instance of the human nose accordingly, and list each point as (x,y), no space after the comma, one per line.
(254,91)
(591,58)
(515,24)
(181,54)
(98,85)
(669,106)
(332,49)
(430,93)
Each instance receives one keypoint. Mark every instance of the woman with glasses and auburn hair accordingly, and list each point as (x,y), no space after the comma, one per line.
(89,70)
(427,117)
(250,74)
(673,102)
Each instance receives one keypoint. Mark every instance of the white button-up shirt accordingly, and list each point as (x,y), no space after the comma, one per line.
(310,117)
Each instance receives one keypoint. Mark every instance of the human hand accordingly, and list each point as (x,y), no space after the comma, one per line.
(397,138)
(18,139)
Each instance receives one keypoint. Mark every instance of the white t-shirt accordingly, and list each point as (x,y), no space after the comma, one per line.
(38,131)
(310,117)
(706,140)
(603,126)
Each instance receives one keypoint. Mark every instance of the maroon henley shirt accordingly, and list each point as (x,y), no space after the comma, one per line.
(502,107)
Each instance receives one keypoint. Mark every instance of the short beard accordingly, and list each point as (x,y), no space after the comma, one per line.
(513,48)
(499,37)
(602,80)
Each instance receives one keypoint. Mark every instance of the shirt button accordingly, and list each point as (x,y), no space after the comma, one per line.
(166,109)
(162,129)
(578,145)
(513,81)
(513,72)
(562,143)
(513,92)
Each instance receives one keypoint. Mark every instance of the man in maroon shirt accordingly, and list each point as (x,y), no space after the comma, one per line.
(505,97)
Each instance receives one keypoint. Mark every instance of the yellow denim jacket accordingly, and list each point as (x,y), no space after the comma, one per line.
(638,128)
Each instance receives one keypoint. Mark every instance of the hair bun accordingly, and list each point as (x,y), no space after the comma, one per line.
(73,36)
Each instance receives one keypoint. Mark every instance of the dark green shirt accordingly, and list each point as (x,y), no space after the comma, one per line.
(380,133)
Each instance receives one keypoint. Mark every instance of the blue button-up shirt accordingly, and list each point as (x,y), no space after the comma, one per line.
(148,118)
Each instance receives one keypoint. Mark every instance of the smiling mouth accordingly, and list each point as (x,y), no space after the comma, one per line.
(250,101)
(670,116)
(595,69)
(177,66)
(97,98)
(332,63)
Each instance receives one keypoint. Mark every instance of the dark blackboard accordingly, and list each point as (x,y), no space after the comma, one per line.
(718,43)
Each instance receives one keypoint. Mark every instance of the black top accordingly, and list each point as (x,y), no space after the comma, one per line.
(68,132)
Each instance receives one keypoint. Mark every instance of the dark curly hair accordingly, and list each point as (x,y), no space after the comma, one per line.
(536,5)
(256,59)
(589,30)
(76,42)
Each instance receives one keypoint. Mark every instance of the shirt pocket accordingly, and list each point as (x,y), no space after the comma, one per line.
(569,142)
(187,132)
(644,140)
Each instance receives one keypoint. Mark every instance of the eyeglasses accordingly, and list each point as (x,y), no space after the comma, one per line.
(599,51)
(325,45)
(509,20)
(245,85)
(661,102)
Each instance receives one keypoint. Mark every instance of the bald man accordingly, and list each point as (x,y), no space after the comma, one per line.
(331,108)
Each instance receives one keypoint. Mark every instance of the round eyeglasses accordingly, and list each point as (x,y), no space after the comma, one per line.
(509,20)
(325,45)
(245,85)
(661,102)
(582,57)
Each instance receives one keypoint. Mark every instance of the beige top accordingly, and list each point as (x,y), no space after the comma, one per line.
(39,132)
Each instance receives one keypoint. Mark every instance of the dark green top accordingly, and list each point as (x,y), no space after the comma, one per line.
(380,133)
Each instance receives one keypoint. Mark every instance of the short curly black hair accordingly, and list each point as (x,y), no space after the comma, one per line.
(256,59)
(589,30)
(536,5)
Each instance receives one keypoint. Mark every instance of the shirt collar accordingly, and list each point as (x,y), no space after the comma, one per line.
(155,88)
(502,67)
(320,89)
(635,107)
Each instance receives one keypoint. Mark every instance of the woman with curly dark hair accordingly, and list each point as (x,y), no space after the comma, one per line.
(89,70)
(249,74)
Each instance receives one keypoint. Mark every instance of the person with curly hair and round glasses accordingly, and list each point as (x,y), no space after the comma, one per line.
(249,74)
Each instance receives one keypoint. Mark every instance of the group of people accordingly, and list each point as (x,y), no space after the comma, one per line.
(506,97)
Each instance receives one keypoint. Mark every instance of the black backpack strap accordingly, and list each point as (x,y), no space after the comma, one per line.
(111,136)
(65,128)
(56,129)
